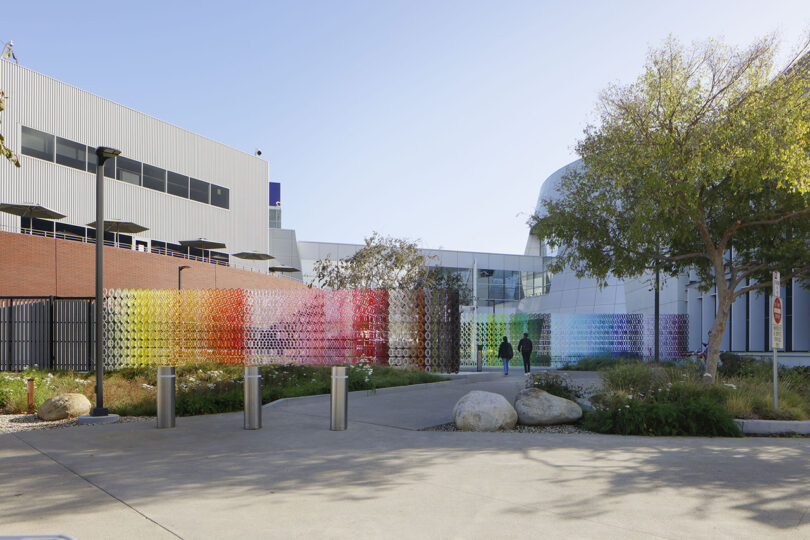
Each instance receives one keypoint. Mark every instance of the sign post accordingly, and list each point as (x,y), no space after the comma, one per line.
(776,334)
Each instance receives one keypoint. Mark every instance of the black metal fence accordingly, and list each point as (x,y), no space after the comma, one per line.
(46,332)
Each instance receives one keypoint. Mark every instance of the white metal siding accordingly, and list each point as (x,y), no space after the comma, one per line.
(42,103)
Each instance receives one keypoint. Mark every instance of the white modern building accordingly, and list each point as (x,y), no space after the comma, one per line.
(748,329)
(179,185)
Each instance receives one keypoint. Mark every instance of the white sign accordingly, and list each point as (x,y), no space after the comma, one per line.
(777,285)
(776,322)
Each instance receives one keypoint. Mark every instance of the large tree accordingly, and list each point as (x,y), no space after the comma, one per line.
(386,263)
(701,165)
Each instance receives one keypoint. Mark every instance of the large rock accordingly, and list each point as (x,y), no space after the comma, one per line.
(64,406)
(537,407)
(484,411)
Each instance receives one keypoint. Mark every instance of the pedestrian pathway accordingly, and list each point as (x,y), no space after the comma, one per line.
(294,478)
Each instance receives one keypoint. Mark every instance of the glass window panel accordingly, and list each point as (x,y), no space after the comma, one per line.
(177,184)
(70,230)
(199,190)
(42,225)
(220,257)
(154,178)
(37,144)
(129,170)
(124,240)
(71,154)
(220,196)
(109,237)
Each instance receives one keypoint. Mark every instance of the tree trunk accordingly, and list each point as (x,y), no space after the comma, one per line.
(724,300)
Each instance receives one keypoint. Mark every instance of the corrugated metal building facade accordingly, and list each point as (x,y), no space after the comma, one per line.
(37,105)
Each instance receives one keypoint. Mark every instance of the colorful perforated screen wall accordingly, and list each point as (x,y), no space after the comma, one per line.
(560,338)
(416,329)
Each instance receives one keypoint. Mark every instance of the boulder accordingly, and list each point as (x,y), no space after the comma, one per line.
(64,406)
(537,407)
(484,411)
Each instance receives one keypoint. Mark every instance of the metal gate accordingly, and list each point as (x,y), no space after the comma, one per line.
(46,332)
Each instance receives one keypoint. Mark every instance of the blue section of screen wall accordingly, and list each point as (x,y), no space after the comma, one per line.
(275,194)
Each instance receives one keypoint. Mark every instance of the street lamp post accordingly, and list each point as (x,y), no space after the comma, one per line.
(180,276)
(103,153)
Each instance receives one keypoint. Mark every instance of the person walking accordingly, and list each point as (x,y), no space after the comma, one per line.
(505,353)
(525,348)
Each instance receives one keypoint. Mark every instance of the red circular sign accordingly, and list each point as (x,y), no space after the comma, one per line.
(777,310)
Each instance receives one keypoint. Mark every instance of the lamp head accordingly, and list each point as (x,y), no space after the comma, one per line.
(104,153)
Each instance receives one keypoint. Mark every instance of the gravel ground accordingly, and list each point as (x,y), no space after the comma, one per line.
(561,428)
(10,423)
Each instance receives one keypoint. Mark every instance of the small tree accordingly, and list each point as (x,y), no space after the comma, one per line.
(385,263)
(6,54)
(701,165)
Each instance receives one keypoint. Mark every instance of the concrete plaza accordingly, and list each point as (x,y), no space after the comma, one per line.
(382,478)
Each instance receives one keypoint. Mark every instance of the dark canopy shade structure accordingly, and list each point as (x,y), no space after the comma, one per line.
(33,211)
(202,243)
(253,256)
(115,226)
(282,268)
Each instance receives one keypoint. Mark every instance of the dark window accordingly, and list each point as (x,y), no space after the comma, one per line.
(220,196)
(92,163)
(71,232)
(199,190)
(129,170)
(154,178)
(219,257)
(197,252)
(157,244)
(45,225)
(176,249)
(37,144)
(177,184)
(71,154)
(91,233)
(125,240)
(109,237)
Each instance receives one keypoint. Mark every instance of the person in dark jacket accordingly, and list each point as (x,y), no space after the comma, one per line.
(505,353)
(525,348)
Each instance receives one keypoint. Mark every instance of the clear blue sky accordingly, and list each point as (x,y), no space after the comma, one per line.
(431,120)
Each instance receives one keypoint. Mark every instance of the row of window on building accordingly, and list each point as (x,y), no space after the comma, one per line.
(45,146)
(66,231)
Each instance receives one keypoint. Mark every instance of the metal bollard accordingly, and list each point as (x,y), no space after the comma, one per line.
(340,398)
(253,398)
(31,409)
(165,397)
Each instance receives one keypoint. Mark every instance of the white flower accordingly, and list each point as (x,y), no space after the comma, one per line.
(627,406)
(629,397)
(733,387)
(148,387)
(211,386)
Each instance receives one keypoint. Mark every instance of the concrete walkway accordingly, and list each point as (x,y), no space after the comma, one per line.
(209,478)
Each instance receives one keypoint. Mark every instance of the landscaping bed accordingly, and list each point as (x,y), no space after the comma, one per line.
(200,388)
(645,398)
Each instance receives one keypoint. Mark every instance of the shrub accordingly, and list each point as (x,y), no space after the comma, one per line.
(600,362)
(555,385)
(733,365)
(691,417)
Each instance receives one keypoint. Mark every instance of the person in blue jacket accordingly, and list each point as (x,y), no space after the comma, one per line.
(505,353)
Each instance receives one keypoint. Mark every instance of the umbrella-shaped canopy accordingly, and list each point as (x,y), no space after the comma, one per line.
(202,243)
(282,268)
(115,226)
(253,256)
(33,211)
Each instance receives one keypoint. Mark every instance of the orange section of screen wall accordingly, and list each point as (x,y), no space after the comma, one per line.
(39,266)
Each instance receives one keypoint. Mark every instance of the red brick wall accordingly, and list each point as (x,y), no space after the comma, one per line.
(39,266)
